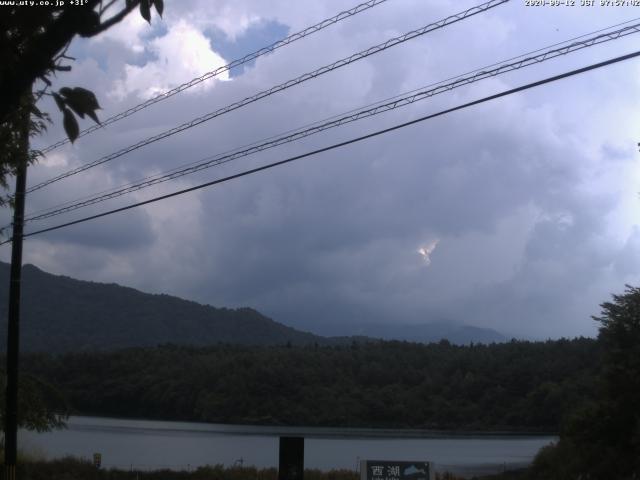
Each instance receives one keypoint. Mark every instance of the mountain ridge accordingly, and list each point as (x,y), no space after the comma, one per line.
(61,314)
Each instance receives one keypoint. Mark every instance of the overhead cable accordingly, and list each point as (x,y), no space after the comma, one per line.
(340,144)
(317,122)
(225,68)
(369,111)
(278,88)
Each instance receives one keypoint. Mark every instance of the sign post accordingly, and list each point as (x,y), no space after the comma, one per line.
(396,470)
(291,458)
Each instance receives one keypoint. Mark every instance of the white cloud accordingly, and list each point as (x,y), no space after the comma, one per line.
(426,250)
(534,197)
(129,33)
(181,54)
(54,160)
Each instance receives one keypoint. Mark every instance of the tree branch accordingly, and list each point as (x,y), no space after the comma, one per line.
(117,18)
(106,7)
(36,59)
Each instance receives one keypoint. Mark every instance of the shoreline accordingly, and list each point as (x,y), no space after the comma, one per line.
(254,429)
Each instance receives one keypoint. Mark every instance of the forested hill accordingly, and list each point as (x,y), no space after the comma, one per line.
(527,386)
(63,314)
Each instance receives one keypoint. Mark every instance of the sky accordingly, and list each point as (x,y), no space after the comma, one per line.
(520,214)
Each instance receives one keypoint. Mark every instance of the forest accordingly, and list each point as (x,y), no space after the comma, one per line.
(514,386)
(586,390)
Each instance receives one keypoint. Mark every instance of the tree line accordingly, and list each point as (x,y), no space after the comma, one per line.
(517,385)
(587,390)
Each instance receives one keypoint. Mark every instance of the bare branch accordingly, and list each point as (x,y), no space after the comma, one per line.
(62,53)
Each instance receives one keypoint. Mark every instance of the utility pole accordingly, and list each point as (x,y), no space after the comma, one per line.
(13,333)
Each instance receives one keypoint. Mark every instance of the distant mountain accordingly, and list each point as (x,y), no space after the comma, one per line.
(63,314)
(431,332)
(427,332)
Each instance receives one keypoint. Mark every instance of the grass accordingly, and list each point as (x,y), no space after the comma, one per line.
(34,467)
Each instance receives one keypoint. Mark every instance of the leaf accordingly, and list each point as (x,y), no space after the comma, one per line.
(75,108)
(93,116)
(145,10)
(81,101)
(89,24)
(87,97)
(59,101)
(159,6)
(70,125)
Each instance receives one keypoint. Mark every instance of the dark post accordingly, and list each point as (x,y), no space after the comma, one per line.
(291,464)
(13,333)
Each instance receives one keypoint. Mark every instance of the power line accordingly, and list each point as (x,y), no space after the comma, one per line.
(340,144)
(379,102)
(278,88)
(225,68)
(396,102)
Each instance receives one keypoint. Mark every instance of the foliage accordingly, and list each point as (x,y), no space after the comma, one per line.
(526,386)
(41,406)
(33,47)
(520,474)
(26,121)
(71,468)
(601,440)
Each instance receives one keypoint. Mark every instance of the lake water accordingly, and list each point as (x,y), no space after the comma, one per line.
(143,445)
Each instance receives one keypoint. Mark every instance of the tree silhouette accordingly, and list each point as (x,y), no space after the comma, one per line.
(601,440)
(34,41)
(33,47)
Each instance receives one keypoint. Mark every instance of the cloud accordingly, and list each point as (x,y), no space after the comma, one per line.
(130,233)
(627,261)
(533,198)
(178,56)
(426,250)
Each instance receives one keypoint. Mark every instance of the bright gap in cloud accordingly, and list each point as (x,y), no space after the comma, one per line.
(425,251)
(180,55)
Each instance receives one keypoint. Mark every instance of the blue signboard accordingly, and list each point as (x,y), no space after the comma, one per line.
(392,470)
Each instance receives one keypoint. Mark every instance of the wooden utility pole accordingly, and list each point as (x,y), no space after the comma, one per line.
(13,333)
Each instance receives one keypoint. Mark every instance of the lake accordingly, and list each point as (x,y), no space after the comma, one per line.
(144,445)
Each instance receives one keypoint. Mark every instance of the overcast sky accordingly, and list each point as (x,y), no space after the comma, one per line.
(520,214)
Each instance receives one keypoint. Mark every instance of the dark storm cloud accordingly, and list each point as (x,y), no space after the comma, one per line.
(523,195)
(122,235)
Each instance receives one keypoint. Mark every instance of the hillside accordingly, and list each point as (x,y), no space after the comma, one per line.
(526,386)
(63,314)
